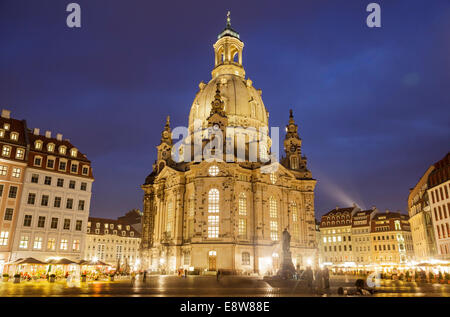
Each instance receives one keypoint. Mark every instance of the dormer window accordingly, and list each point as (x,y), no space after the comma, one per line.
(2,133)
(14,136)
(50,147)
(38,145)
(74,152)
(85,170)
(62,150)
(128,228)
(119,227)
(6,126)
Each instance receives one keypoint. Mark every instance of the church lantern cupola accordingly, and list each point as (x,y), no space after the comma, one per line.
(228,52)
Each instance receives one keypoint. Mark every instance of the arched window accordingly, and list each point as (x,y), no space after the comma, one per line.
(295,225)
(273,209)
(242,204)
(245,258)
(213,200)
(294,162)
(263,155)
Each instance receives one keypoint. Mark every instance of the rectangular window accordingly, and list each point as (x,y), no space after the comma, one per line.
(9,214)
(69,203)
(4,236)
(12,192)
(44,200)
(35,178)
(16,172)
(51,244)
(54,224)
(31,198)
(27,221)
(50,163)
(213,226)
(62,166)
(57,202)
(6,151)
(60,182)
(23,242)
(72,184)
(37,161)
(78,225)
(81,205)
(64,244)
(37,243)
(274,230)
(76,245)
(41,222)
(85,170)
(20,153)
(66,224)
(74,168)
(3,170)
(83,186)
(48,180)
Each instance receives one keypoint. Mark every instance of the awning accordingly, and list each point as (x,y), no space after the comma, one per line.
(28,261)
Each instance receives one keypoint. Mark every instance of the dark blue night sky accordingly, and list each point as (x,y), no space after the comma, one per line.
(372,104)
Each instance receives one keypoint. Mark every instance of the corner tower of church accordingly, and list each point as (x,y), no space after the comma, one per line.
(204,215)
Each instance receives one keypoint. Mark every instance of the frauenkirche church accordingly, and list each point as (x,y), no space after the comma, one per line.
(207,215)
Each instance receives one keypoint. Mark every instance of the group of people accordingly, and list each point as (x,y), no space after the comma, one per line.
(318,280)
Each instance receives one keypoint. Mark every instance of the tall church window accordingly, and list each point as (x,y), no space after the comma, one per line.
(274,230)
(170,216)
(213,207)
(273,209)
(243,228)
(242,204)
(263,155)
(213,200)
(295,225)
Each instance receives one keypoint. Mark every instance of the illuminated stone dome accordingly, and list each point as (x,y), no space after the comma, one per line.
(243,103)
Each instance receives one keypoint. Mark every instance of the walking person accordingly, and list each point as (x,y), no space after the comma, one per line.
(144,279)
(133,278)
(326,278)
(318,281)
(218,275)
(309,278)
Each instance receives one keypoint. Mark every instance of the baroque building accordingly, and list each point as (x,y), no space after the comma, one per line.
(438,190)
(229,211)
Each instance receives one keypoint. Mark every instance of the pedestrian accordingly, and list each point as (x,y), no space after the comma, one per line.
(185,273)
(309,277)
(218,275)
(318,280)
(145,277)
(133,278)
(326,278)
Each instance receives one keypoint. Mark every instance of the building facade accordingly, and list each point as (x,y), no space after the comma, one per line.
(421,219)
(55,201)
(220,213)
(13,163)
(113,241)
(354,237)
(438,190)
(336,234)
(391,239)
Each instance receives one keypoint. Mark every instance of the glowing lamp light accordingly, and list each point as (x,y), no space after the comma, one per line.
(162,260)
(94,259)
(309,261)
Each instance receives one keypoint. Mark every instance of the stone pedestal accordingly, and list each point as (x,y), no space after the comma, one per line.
(287,269)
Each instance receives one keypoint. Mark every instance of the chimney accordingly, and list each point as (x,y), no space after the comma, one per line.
(36,131)
(68,140)
(387,211)
(48,134)
(373,207)
(59,136)
(337,207)
(6,114)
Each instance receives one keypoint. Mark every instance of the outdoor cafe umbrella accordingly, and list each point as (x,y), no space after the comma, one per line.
(93,263)
(29,261)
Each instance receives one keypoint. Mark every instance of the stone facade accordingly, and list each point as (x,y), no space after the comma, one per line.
(221,214)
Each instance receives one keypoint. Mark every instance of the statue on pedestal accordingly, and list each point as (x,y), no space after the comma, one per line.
(287,269)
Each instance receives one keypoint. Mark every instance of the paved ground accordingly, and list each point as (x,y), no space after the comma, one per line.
(205,286)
